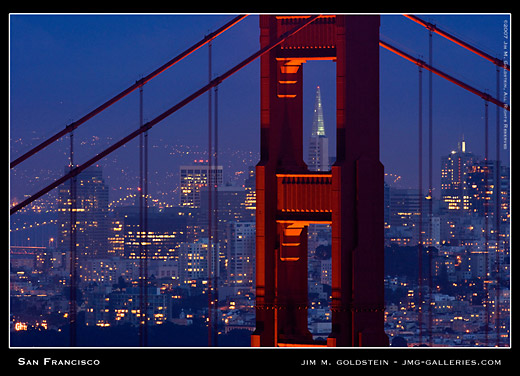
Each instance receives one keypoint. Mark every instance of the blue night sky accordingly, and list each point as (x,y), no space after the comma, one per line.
(63,66)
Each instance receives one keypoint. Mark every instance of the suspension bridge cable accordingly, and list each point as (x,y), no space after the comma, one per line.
(216,276)
(143,228)
(486,223)
(497,214)
(421,197)
(164,115)
(444,75)
(430,189)
(73,262)
(210,208)
(460,42)
(69,128)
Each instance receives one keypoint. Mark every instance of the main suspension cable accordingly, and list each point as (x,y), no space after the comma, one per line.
(164,115)
(69,128)
(460,42)
(444,75)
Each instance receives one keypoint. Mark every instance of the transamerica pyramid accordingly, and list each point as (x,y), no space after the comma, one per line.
(318,157)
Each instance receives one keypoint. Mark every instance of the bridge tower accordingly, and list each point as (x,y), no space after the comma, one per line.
(350,196)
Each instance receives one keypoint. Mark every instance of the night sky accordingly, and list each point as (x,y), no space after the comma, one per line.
(63,66)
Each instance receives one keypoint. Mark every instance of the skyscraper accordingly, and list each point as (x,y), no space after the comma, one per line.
(250,187)
(166,231)
(318,143)
(454,170)
(195,177)
(318,160)
(90,212)
(240,254)
(194,262)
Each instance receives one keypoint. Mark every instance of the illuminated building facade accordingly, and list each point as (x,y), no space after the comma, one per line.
(166,231)
(194,262)
(481,186)
(231,203)
(250,187)
(403,207)
(240,254)
(469,196)
(454,188)
(193,178)
(122,306)
(92,224)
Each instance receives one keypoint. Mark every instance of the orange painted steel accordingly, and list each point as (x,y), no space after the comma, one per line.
(290,197)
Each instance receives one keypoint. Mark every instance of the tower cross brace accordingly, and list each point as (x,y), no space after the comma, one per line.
(349,197)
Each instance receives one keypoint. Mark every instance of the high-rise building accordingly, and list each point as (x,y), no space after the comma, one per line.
(241,240)
(403,214)
(481,185)
(193,178)
(250,187)
(194,261)
(166,230)
(91,209)
(469,194)
(229,201)
(318,158)
(454,170)
(404,207)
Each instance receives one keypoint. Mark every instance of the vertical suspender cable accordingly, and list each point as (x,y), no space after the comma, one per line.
(145,222)
(139,233)
(164,115)
(73,251)
(143,296)
(430,192)
(210,207)
(69,128)
(217,251)
(460,42)
(486,220)
(497,216)
(421,197)
(444,75)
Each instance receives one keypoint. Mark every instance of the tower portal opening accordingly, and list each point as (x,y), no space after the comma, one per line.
(319,118)
(291,197)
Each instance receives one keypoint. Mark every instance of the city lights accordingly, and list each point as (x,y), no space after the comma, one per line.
(175,259)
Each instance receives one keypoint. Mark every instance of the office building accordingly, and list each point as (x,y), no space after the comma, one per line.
(454,188)
(250,187)
(193,178)
(240,254)
(165,231)
(91,209)
(481,186)
(194,261)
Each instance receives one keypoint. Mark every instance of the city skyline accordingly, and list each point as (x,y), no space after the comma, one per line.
(462,261)
(237,162)
(398,112)
(69,78)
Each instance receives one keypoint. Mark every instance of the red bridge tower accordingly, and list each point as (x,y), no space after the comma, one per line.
(350,197)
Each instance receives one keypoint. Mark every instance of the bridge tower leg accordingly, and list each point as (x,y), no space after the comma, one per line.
(357,189)
(289,197)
